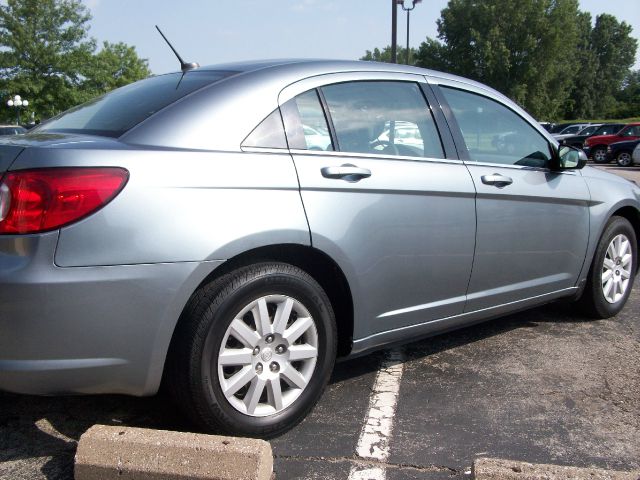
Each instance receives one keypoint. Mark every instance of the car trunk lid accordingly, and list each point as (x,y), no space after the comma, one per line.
(8,153)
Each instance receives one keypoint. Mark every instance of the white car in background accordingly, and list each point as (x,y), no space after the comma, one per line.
(636,155)
(577,129)
(316,138)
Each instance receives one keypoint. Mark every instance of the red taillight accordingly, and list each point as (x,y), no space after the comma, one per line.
(33,201)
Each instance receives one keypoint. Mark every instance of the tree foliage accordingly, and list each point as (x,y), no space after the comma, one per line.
(544,54)
(47,56)
(384,55)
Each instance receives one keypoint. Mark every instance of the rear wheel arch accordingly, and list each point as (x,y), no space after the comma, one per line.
(320,266)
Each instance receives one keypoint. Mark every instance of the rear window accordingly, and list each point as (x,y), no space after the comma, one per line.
(12,130)
(114,113)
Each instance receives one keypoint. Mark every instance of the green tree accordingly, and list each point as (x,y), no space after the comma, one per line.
(584,92)
(384,55)
(526,50)
(615,51)
(47,56)
(44,42)
(115,65)
(628,98)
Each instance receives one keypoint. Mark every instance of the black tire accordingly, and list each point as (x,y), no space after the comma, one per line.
(593,301)
(599,155)
(193,364)
(624,159)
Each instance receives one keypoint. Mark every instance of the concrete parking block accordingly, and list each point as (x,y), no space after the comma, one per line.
(112,452)
(498,469)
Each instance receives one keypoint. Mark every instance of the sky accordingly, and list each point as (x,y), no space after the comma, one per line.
(216,31)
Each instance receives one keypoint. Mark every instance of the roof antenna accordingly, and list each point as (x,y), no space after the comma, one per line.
(184,66)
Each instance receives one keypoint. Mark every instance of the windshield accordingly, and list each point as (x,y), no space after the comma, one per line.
(114,113)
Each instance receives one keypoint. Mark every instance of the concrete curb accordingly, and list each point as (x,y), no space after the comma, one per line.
(107,452)
(498,469)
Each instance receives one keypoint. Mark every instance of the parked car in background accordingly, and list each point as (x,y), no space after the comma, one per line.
(621,152)
(596,146)
(317,138)
(578,140)
(548,126)
(636,155)
(558,127)
(12,130)
(587,130)
(406,134)
(571,129)
(183,228)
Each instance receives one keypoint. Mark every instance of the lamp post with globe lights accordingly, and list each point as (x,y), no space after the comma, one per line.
(18,102)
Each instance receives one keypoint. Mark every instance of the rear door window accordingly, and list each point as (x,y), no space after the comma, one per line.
(382,117)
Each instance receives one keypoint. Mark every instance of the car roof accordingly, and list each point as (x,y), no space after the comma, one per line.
(250,93)
(309,67)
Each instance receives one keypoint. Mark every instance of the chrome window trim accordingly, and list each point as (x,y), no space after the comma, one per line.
(264,150)
(317,81)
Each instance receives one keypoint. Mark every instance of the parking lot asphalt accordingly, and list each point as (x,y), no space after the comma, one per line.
(544,386)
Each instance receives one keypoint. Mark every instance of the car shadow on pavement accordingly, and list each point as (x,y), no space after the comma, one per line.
(44,431)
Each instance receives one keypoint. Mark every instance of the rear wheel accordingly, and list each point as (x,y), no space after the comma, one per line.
(624,159)
(599,155)
(255,351)
(613,270)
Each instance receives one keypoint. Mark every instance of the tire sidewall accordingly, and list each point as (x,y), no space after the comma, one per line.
(621,162)
(269,283)
(595,151)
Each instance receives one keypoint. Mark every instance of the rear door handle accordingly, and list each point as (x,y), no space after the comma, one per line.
(497,180)
(347,172)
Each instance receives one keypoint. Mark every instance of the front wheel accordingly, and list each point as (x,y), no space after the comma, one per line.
(613,270)
(255,351)
(624,159)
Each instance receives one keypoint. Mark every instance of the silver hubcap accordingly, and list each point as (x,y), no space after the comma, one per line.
(624,159)
(616,269)
(600,155)
(268,355)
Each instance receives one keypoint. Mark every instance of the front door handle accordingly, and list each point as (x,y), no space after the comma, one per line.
(347,172)
(497,180)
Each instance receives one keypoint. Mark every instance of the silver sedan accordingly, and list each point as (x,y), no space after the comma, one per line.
(233,229)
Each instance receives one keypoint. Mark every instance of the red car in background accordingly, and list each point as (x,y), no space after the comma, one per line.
(596,147)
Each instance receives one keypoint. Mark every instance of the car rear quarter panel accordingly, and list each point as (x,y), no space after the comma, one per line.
(180,216)
(181,206)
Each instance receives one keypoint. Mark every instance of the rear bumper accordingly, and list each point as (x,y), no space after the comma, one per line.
(86,329)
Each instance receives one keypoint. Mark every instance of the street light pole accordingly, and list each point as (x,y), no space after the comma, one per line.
(394,30)
(408,9)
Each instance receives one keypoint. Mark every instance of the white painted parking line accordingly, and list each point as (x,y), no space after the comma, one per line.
(374,441)
(374,473)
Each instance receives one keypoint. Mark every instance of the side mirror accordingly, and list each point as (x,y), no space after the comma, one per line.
(570,158)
